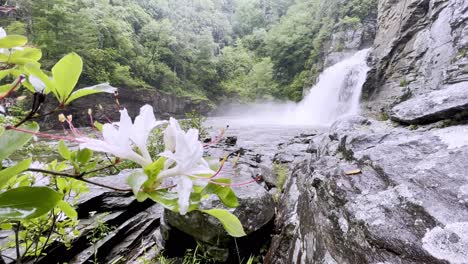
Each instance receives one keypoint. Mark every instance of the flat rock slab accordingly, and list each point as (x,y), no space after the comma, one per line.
(433,106)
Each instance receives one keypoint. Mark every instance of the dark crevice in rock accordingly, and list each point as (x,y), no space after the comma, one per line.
(59,253)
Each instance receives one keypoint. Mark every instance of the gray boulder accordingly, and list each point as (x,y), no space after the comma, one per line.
(449,103)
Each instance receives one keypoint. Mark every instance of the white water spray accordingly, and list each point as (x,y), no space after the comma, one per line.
(336,94)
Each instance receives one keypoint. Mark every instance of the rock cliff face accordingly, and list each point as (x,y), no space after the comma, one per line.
(421,46)
(165,106)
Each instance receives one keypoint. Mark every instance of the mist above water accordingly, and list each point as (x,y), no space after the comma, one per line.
(336,94)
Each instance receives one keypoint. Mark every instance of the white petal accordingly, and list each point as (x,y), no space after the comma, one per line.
(141,129)
(38,85)
(124,152)
(184,189)
(111,135)
(170,134)
(2,109)
(102,87)
(125,125)
(2,33)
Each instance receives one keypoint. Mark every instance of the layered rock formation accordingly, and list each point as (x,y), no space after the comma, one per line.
(420,47)
(104,106)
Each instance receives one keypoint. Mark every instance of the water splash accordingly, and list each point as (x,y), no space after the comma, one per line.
(336,94)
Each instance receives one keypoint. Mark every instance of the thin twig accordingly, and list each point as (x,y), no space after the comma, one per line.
(80,178)
(113,163)
(54,220)
(18,254)
(5,256)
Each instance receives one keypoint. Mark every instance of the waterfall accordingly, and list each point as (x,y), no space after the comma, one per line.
(336,94)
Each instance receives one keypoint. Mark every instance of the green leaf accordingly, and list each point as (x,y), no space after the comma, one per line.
(169,200)
(84,155)
(166,199)
(10,172)
(6,226)
(27,53)
(153,171)
(230,222)
(27,202)
(5,88)
(66,73)
(4,74)
(34,69)
(224,193)
(13,41)
(62,184)
(63,150)
(136,180)
(100,88)
(67,209)
(98,126)
(24,56)
(11,140)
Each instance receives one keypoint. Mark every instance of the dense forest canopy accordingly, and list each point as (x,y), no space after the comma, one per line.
(205,49)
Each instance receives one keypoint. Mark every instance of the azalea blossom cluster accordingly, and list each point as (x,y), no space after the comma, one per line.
(184,164)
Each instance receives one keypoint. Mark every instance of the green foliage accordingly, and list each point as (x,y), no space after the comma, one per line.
(230,222)
(65,75)
(350,22)
(10,172)
(196,121)
(403,83)
(27,202)
(281,172)
(10,140)
(225,194)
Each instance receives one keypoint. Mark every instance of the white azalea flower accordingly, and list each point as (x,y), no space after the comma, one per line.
(2,109)
(38,85)
(187,155)
(184,153)
(120,141)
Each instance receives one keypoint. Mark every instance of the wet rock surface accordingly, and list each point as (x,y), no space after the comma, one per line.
(420,47)
(409,193)
(450,103)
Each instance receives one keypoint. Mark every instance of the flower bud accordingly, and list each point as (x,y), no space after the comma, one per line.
(100,106)
(69,118)
(61,118)
(90,112)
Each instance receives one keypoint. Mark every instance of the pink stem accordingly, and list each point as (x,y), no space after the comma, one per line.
(18,82)
(39,134)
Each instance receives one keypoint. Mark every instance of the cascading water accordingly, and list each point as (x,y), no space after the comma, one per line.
(336,94)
